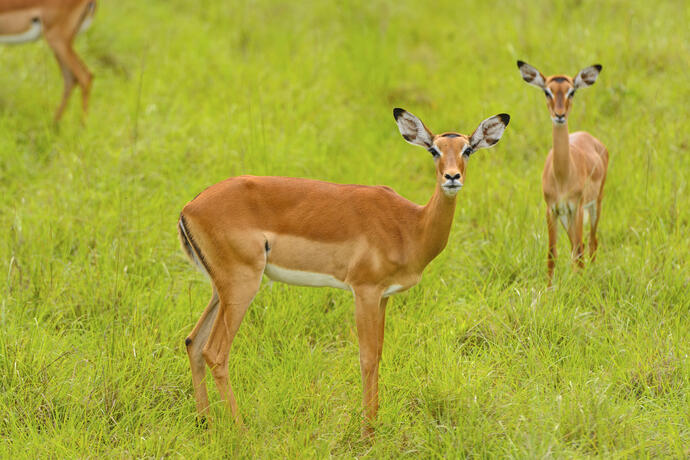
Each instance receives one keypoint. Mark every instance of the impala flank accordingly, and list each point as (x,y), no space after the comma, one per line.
(365,239)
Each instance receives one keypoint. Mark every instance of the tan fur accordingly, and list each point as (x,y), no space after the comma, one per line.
(368,238)
(574,173)
(61,21)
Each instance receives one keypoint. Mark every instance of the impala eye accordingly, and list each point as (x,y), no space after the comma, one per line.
(546,93)
(571,93)
(434,151)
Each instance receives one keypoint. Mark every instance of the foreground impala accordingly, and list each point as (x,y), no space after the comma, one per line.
(575,169)
(59,21)
(369,240)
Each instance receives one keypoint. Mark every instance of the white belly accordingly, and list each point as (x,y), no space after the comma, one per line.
(30,35)
(300,278)
(392,289)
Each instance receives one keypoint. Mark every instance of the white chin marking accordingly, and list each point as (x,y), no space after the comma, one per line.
(451,192)
(34,33)
(300,278)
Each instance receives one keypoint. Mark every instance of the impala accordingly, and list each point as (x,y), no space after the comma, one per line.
(59,21)
(575,169)
(366,239)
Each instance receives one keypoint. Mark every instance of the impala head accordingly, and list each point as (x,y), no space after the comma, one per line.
(559,89)
(451,151)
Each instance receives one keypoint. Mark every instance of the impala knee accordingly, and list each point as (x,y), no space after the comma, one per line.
(85,82)
(219,371)
(369,364)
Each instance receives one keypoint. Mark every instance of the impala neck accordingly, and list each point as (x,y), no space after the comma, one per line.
(437,218)
(561,151)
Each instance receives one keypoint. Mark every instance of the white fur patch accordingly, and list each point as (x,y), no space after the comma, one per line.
(532,76)
(586,77)
(301,278)
(489,132)
(392,289)
(565,212)
(86,24)
(195,256)
(591,213)
(413,130)
(34,33)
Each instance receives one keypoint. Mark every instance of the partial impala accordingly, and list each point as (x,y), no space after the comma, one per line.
(365,239)
(575,169)
(59,21)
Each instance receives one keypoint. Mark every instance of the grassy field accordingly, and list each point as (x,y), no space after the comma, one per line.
(480,359)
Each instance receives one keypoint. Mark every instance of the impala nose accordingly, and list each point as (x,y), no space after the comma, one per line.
(449,177)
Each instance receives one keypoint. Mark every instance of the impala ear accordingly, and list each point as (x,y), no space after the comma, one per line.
(412,129)
(531,75)
(587,76)
(489,132)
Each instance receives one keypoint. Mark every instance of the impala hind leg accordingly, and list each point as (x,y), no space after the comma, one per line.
(575,234)
(235,293)
(553,238)
(594,214)
(370,319)
(195,342)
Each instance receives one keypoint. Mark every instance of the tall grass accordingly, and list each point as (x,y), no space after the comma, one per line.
(479,359)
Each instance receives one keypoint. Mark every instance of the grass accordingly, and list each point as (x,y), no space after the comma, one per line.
(479,360)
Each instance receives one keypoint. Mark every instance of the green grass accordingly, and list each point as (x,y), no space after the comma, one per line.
(479,359)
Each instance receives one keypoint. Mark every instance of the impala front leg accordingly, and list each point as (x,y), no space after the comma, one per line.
(369,315)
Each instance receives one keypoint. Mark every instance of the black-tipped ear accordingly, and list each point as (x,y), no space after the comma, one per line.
(412,129)
(587,76)
(531,75)
(489,131)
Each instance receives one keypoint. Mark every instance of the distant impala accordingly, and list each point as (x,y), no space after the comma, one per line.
(59,21)
(575,169)
(368,240)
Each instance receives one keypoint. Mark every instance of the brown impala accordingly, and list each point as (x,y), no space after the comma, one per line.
(575,169)
(365,239)
(59,21)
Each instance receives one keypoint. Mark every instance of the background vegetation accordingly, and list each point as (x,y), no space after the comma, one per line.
(479,359)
